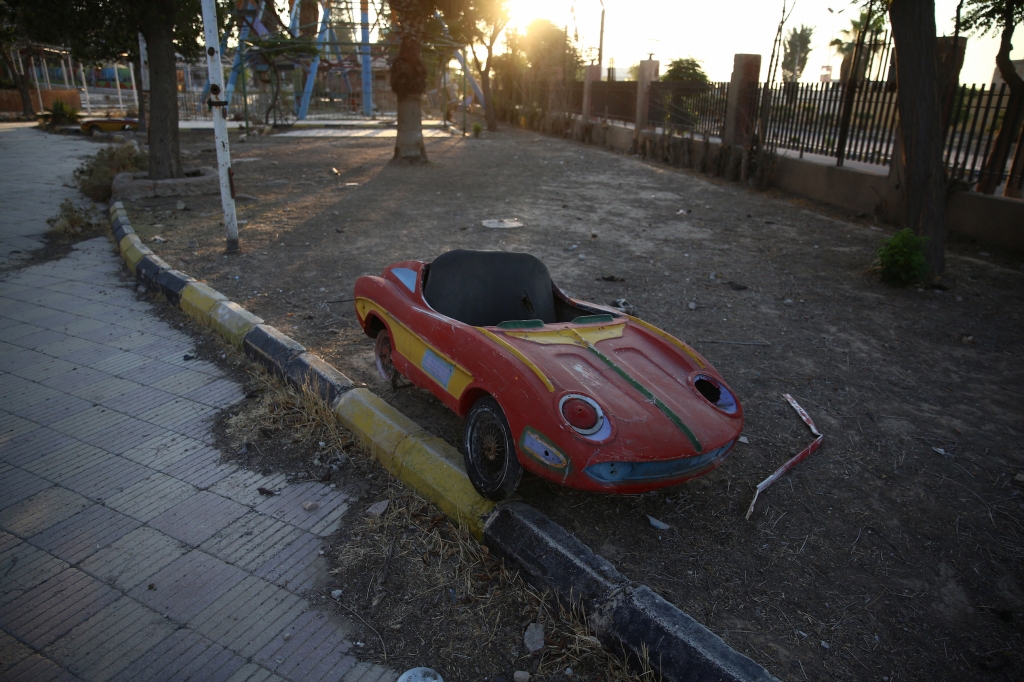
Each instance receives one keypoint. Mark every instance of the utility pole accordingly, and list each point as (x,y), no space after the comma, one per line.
(600,44)
(220,123)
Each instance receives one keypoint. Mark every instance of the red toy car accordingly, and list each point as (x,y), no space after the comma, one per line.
(575,392)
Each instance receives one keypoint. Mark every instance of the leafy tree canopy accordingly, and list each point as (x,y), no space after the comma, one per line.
(847,42)
(688,69)
(988,16)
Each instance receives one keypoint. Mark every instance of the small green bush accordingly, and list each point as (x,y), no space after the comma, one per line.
(60,114)
(96,174)
(477,129)
(72,223)
(901,258)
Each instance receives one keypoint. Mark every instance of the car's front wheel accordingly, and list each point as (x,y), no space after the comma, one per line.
(490,451)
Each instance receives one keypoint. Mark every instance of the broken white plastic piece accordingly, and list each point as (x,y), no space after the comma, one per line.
(796,460)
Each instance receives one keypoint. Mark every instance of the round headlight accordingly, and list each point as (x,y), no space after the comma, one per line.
(582,414)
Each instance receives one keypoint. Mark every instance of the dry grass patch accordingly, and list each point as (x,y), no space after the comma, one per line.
(422,589)
(73,223)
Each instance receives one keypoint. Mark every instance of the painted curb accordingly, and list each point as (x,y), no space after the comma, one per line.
(426,464)
(629,618)
(626,617)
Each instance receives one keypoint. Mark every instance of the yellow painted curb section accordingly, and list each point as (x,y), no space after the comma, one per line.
(197,300)
(426,464)
(436,470)
(115,207)
(133,250)
(232,321)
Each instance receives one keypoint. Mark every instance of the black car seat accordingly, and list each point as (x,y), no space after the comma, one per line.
(485,288)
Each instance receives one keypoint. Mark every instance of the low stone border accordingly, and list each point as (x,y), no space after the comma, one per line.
(629,618)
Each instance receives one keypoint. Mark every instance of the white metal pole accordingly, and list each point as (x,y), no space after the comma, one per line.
(135,92)
(85,88)
(46,73)
(220,122)
(143,63)
(117,82)
(64,70)
(35,77)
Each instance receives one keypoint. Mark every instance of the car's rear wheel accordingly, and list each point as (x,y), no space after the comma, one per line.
(95,131)
(383,352)
(490,451)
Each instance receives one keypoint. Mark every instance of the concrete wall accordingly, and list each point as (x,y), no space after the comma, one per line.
(847,188)
(992,219)
(988,218)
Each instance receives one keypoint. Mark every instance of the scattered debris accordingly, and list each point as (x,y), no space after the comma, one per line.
(502,223)
(188,357)
(943,452)
(180,205)
(158,240)
(336,594)
(736,286)
(310,506)
(825,646)
(660,525)
(572,247)
(624,305)
(335,171)
(267,492)
(795,460)
(692,305)
(521,676)
(351,184)
(611,278)
(788,301)
(193,244)
(152,586)
(1018,480)
(744,439)
(378,508)
(534,638)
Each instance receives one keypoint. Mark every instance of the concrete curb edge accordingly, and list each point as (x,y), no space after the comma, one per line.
(629,618)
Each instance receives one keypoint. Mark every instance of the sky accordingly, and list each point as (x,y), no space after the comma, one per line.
(713,31)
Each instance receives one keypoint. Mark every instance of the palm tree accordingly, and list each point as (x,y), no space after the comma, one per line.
(846,44)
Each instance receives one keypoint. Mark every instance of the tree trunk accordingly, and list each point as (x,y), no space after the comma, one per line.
(913,30)
(489,113)
(409,143)
(21,82)
(995,164)
(409,81)
(1015,183)
(158,29)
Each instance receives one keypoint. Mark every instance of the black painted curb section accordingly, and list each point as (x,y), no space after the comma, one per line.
(148,270)
(171,284)
(627,617)
(313,371)
(270,348)
(121,227)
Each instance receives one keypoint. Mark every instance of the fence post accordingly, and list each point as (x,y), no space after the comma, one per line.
(741,102)
(590,74)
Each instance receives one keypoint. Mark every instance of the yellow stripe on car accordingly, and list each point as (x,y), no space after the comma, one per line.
(446,372)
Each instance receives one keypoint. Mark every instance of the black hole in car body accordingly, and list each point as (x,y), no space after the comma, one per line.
(708,390)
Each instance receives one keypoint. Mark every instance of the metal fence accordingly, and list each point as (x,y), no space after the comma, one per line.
(688,107)
(192,106)
(974,121)
(806,117)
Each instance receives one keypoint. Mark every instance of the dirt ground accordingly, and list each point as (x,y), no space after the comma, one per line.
(893,553)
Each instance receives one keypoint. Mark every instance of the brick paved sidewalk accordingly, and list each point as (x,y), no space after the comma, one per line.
(128,551)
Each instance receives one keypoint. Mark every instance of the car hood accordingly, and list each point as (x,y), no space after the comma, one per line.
(642,378)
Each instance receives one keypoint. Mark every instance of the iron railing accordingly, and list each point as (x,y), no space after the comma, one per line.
(688,107)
